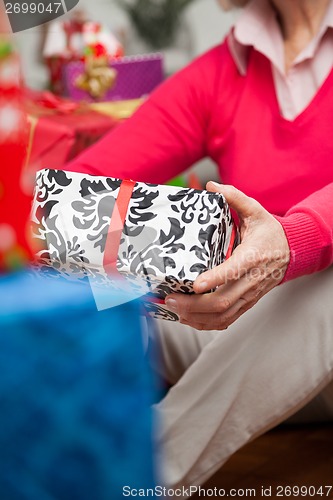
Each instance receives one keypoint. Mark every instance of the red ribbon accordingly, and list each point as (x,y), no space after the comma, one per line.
(116,226)
(48,100)
(154,300)
(232,242)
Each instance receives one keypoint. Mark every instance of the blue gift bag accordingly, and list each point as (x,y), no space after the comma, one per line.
(75,394)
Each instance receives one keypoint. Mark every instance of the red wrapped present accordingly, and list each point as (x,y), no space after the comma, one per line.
(15,196)
(60,129)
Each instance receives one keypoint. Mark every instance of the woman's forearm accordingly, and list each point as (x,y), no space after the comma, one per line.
(164,137)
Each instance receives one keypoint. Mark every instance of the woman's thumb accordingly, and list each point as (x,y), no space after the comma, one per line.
(238,201)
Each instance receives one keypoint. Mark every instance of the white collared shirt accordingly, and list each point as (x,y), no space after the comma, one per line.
(258,27)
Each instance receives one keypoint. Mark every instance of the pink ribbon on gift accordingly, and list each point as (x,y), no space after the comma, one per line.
(116,226)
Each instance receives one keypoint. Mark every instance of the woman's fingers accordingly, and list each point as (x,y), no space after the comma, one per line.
(238,201)
(241,262)
(222,320)
(217,302)
(257,265)
(246,257)
(218,321)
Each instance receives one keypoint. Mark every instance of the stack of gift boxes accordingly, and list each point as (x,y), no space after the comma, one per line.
(92,86)
(91,65)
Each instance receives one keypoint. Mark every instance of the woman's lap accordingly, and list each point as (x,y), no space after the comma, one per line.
(233,385)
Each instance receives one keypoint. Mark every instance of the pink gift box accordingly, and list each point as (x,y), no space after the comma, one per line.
(136,76)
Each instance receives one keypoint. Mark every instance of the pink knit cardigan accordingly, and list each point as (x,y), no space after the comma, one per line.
(209,109)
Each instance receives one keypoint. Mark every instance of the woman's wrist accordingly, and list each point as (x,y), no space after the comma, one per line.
(305,242)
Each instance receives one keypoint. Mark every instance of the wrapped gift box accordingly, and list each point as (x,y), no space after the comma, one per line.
(61,129)
(134,77)
(119,110)
(151,240)
(75,420)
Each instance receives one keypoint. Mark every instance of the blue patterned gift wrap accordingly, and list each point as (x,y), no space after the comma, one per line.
(75,420)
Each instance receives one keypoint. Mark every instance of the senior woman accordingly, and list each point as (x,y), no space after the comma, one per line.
(260,105)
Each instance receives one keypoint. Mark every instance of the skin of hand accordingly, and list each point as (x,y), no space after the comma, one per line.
(256,266)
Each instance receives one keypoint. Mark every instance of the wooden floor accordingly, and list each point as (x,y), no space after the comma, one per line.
(286,456)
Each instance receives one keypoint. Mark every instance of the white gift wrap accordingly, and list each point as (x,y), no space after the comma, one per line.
(170,235)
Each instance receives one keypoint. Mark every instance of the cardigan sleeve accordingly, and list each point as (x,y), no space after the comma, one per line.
(309,230)
(165,136)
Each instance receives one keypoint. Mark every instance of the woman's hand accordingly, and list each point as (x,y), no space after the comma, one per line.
(257,265)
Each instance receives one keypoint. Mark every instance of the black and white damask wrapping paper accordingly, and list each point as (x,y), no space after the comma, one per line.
(170,235)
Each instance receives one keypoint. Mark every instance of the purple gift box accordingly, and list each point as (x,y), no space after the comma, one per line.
(136,76)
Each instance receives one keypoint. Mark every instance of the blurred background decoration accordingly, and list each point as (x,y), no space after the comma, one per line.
(14,200)
(185,28)
(202,25)
(156,22)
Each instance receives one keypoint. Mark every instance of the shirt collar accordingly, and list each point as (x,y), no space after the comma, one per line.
(258,27)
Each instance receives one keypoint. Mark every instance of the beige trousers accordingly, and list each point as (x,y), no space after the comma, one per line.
(231,386)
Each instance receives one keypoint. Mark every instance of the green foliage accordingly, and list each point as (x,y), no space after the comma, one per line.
(156,21)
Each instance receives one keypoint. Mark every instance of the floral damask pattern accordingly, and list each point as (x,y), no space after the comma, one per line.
(170,235)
